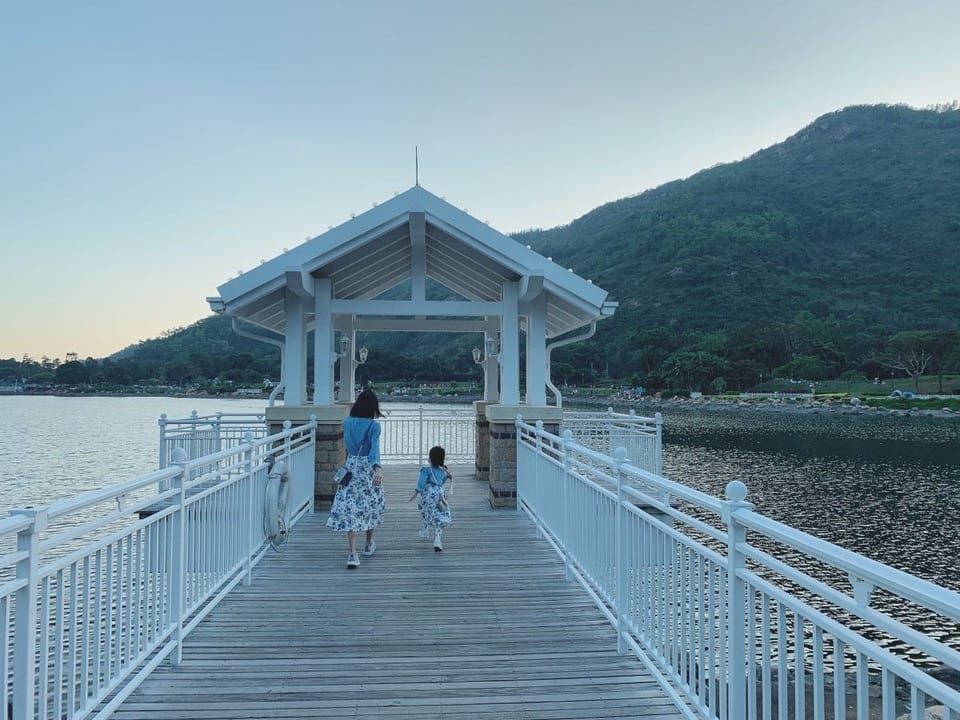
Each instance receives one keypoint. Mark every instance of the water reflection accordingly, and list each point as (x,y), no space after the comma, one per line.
(888,488)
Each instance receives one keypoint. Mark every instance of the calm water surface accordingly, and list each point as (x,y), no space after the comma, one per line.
(885,487)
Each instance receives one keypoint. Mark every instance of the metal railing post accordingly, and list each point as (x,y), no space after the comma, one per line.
(25,626)
(537,490)
(658,458)
(178,540)
(162,462)
(313,441)
(622,607)
(736,628)
(248,512)
(565,505)
(420,437)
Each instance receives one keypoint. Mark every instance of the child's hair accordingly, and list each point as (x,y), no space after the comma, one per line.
(437,456)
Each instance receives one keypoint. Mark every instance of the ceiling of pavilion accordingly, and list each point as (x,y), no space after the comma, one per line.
(375,251)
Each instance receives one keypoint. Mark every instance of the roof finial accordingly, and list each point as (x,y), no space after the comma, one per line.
(416,165)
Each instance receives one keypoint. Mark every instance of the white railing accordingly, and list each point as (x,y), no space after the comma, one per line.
(738,616)
(98,590)
(202,435)
(642,437)
(407,435)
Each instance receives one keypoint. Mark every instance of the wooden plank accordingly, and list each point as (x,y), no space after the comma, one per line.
(485,629)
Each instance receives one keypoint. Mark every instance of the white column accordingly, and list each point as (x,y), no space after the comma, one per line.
(294,350)
(537,351)
(491,366)
(510,346)
(323,352)
(344,326)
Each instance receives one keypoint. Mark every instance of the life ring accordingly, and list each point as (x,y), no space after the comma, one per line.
(275,504)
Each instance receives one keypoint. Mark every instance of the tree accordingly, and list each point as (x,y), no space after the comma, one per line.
(939,344)
(73,372)
(692,369)
(910,351)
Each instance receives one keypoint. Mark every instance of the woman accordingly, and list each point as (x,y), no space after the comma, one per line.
(359,504)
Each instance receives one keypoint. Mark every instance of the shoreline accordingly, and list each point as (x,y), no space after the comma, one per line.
(643,406)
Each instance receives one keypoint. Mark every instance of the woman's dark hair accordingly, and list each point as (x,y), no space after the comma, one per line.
(366,405)
(437,456)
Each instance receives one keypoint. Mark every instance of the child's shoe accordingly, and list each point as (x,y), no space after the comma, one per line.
(353,561)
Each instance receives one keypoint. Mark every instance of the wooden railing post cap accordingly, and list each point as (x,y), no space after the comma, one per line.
(178,455)
(620,454)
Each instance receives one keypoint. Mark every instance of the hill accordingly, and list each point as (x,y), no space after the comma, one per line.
(856,214)
(851,224)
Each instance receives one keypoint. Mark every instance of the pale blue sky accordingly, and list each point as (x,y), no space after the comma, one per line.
(151,150)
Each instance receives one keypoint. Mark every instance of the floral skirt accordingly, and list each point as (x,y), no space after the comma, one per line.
(360,505)
(434,510)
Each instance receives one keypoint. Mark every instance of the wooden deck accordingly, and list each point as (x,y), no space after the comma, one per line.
(486,629)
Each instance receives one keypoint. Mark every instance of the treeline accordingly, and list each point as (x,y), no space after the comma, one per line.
(807,349)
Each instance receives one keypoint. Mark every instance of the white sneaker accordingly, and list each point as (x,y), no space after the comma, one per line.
(353,562)
(370,547)
(437,545)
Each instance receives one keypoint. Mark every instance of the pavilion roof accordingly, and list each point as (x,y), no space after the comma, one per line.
(374,252)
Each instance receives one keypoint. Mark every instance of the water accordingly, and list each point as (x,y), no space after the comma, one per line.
(59,447)
(885,487)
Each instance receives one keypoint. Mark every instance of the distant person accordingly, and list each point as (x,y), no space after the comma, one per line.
(432,490)
(358,505)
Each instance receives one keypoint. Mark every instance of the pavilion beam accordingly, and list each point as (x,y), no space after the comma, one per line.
(531,286)
(299,282)
(414,308)
(413,325)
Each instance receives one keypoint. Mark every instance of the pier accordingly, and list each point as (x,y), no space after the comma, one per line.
(488,628)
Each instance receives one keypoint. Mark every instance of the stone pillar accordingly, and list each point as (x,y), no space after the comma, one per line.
(330,452)
(503,446)
(482,452)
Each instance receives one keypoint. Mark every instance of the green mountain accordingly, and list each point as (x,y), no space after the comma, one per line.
(858,214)
(822,246)
(803,260)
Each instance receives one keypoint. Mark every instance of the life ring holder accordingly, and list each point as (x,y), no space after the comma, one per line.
(275,518)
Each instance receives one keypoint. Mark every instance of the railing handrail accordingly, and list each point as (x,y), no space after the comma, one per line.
(944,601)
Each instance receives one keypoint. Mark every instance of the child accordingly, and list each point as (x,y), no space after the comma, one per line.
(434,511)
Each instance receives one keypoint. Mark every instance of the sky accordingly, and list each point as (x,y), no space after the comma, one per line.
(151,150)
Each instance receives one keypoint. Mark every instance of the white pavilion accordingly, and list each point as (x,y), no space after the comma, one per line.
(331,286)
